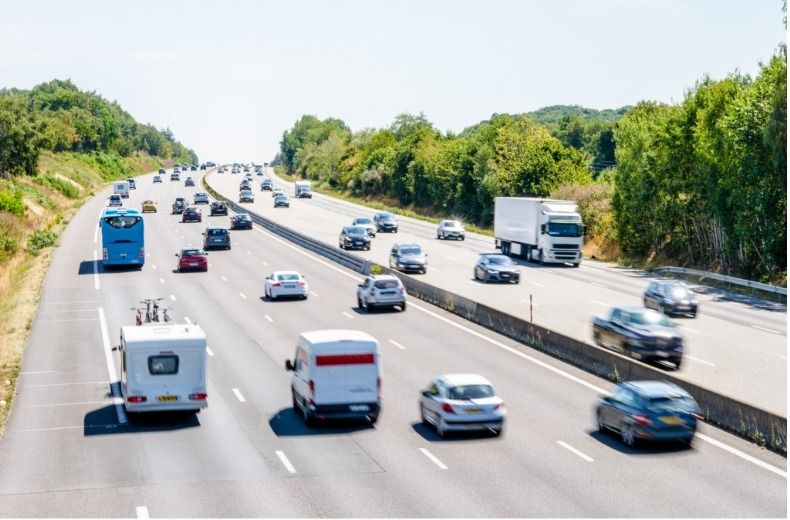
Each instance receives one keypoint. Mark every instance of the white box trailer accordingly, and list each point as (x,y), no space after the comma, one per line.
(336,375)
(163,367)
(121,188)
(543,230)
(302,189)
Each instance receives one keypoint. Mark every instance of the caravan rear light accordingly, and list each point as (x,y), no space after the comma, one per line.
(198,397)
(311,391)
(137,399)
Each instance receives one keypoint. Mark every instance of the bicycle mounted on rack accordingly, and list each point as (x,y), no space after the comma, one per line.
(152,311)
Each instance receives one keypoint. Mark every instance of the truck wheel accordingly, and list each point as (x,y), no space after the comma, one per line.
(575,265)
(540,258)
(505,248)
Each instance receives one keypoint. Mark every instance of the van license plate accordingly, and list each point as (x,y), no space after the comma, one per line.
(167,398)
(359,407)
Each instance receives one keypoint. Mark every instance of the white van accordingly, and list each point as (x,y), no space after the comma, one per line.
(302,189)
(336,375)
(121,188)
(163,367)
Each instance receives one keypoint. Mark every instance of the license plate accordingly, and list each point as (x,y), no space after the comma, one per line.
(663,354)
(192,264)
(474,410)
(504,275)
(387,293)
(357,243)
(359,407)
(289,285)
(167,398)
(670,419)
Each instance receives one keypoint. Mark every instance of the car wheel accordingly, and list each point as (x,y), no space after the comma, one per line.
(294,404)
(496,432)
(438,236)
(370,306)
(360,304)
(678,362)
(367,248)
(272,296)
(403,307)
(340,245)
(474,273)
(463,238)
(693,315)
(597,338)
(628,436)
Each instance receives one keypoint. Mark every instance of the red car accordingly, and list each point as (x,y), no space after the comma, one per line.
(192,259)
(191,214)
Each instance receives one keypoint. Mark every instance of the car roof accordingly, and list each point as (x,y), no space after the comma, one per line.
(464,379)
(652,389)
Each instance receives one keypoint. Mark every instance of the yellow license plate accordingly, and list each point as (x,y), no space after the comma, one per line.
(671,420)
(474,410)
(168,398)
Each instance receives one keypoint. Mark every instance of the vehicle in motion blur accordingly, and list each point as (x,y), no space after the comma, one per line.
(132,184)
(382,290)
(496,268)
(192,259)
(543,230)
(277,191)
(240,221)
(245,185)
(148,206)
(281,201)
(640,333)
(354,237)
(648,410)
(191,214)
(189,182)
(286,283)
(175,176)
(385,222)
(115,200)
(122,237)
(163,368)
(216,237)
(671,297)
(157,179)
(336,375)
(266,185)
(179,205)
(450,229)
(366,223)
(218,208)
(201,198)
(408,257)
(462,402)
(302,189)
(246,196)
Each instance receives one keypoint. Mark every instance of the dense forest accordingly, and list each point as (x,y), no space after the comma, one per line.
(700,183)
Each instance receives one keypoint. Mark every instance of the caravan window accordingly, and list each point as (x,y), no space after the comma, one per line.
(163,365)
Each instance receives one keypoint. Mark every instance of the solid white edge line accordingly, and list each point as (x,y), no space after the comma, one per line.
(397,344)
(96,283)
(209,351)
(285,461)
(433,458)
(238,395)
(764,329)
(268,318)
(186,319)
(599,302)
(739,453)
(244,296)
(575,451)
(142,512)
(347,315)
(115,385)
(698,360)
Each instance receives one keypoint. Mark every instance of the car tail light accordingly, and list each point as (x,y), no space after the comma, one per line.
(137,398)
(401,290)
(301,284)
(198,396)
(447,408)
(311,391)
(276,284)
(641,420)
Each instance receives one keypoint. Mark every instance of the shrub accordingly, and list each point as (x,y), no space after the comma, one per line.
(40,239)
(56,183)
(11,201)
(8,244)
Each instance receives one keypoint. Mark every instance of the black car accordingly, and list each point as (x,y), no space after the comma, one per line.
(671,297)
(179,205)
(191,214)
(240,221)
(408,257)
(282,201)
(385,222)
(162,171)
(496,268)
(640,333)
(202,166)
(189,182)
(267,185)
(193,168)
(216,237)
(354,237)
(648,410)
(218,208)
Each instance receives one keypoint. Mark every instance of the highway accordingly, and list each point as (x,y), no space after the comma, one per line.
(737,345)
(66,453)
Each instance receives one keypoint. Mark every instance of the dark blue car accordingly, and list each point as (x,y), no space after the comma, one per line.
(648,410)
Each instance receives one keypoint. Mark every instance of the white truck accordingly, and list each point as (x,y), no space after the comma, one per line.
(542,230)
(302,189)
(121,188)
(163,367)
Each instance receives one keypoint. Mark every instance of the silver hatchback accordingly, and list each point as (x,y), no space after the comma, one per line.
(383,290)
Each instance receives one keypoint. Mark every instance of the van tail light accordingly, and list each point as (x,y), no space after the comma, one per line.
(447,408)
(198,397)
(311,391)
(137,399)
(641,420)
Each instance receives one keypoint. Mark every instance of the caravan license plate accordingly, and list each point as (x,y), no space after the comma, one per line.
(359,407)
(167,398)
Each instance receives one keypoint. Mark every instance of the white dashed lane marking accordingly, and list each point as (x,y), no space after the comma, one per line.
(285,461)
(238,395)
(575,451)
(432,458)
(397,344)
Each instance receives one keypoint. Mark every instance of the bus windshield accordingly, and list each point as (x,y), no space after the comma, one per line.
(123,239)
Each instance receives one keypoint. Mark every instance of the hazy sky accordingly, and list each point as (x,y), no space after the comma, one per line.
(229,77)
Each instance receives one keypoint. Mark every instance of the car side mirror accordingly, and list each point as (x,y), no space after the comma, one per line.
(288,365)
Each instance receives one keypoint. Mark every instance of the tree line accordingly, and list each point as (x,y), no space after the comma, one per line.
(700,183)
(58,116)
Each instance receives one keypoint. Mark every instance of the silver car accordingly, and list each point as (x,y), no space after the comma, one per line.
(366,223)
(383,290)
(462,402)
(450,229)
(201,198)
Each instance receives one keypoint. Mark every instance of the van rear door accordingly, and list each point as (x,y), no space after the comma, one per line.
(345,378)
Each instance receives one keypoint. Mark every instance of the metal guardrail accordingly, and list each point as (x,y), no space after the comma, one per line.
(765,287)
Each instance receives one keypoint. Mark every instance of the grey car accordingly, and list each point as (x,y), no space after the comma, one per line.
(671,297)
(496,268)
(385,222)
(354,237)
(408,257)
(201,198)
(216,237)
(383,290)
(450,229)
(246,196)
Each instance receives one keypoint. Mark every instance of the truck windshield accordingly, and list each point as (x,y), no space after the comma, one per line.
(565,229)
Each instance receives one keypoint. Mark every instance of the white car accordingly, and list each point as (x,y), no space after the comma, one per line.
(286,283)
(115,200)
(450,229)
(277,191)
(384,290)
(462,402)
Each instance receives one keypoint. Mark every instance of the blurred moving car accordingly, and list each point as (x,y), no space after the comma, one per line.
(216,237)
(175,176)
(496,268)
(282,201)
(245,185)
(385,222)
(408,257)
(148,206)
(354,237)
(246,196)
(162,171)
(240,221)
(115,200)
(191,214)
(192,259)
(640,333)
(179,205)
(648,410)
(189,182)
(267,185)
(450,229)
(671,297)
(132,184)
(462,402)
(366,223)
(157,178)
(201,198)
(277,191)
(218,208)
(286,283)
(382,290)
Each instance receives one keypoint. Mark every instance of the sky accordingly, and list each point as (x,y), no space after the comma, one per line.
(228,78)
